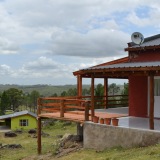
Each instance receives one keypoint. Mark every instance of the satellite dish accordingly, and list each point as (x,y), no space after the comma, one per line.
(137,38)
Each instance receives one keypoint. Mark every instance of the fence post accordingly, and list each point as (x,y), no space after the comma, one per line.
(39,136)
(62,108)
(86,111)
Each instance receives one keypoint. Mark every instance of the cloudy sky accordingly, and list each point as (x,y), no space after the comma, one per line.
(44,41)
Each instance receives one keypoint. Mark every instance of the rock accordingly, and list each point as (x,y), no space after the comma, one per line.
(59,136)
(32,131)
(32,135)
(13,146)
(18,131)
(10,134)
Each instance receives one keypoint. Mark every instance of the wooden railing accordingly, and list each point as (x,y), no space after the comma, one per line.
(64,105)
(110,102)
(69,104)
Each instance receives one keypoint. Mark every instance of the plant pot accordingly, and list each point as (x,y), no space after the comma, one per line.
(115,121)
(107,121)
(101,121)
(95,119)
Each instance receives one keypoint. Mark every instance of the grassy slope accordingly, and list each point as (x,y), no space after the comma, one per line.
(30,148)
(147,153)
(30,144)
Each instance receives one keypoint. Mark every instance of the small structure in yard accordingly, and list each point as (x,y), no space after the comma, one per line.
(142,69)
(20,120)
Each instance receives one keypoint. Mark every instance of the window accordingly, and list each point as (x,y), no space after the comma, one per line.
(157,87)
(23,122)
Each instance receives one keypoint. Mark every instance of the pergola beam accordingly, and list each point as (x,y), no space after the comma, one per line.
(79,85)
(106,92)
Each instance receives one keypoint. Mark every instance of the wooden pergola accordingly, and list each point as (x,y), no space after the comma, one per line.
(121,69)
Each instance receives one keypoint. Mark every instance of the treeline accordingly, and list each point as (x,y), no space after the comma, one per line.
(15,99)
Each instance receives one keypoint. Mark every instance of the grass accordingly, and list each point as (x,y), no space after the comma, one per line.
(30,148)
(145,153)
(30,144)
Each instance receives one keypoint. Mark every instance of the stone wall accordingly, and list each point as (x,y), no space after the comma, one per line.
(99,137)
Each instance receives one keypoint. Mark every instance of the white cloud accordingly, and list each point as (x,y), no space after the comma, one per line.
(87,32)
(96,43)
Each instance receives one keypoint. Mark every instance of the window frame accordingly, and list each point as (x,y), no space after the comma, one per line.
(23,122)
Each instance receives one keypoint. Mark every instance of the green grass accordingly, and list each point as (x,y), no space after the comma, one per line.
(30,148)
(30,144)
(145,153)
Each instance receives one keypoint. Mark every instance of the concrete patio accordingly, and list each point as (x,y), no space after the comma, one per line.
(131,132)
(131,122)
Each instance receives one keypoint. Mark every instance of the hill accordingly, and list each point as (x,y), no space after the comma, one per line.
(46,90)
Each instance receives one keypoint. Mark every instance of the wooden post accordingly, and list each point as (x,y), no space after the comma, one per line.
(92,97)
(86,111)
(79,85)
(151,112)
(62,108)
(39,149)
(80,131)
(106,92)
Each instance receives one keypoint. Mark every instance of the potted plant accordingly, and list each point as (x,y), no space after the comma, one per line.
(101,121)
(107,121)
(115,121)
(95,119)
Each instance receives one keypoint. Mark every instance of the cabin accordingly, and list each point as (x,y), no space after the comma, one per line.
(142,69)
(20,120)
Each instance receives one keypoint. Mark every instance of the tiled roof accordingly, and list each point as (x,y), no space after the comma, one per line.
(16,114)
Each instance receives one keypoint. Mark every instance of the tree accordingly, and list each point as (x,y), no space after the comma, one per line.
(113,89)
(33,97)
(86,91)
(15,97)
(125,90)
(54,95)
(99,90)
(124,97)
(4,103)
(64,93)
(72,92)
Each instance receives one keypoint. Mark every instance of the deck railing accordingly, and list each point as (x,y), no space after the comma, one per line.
(111,101)
(64,105)
(72,104)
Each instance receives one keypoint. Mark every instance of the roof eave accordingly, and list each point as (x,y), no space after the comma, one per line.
(117,61)
(142,48)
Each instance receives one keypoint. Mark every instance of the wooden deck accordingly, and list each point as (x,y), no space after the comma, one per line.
(78,116)
(75,109)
